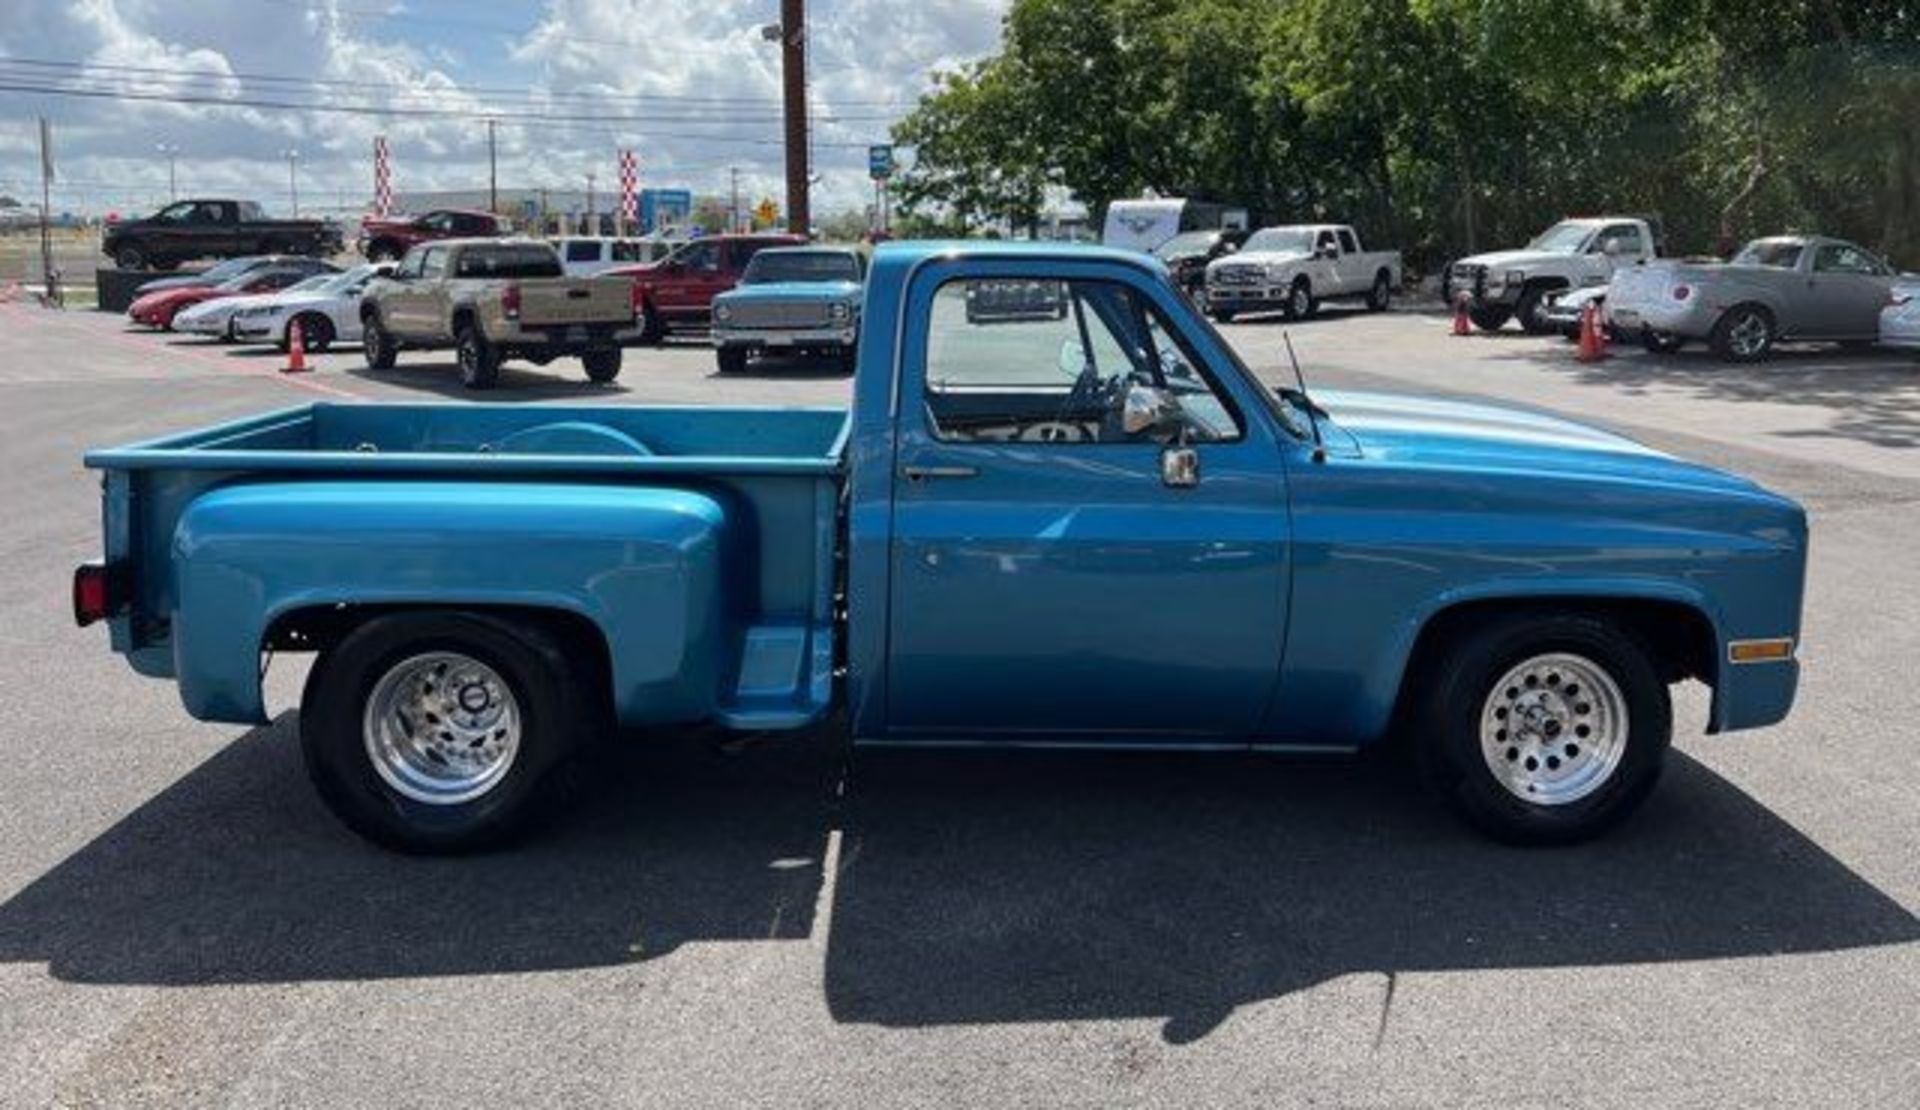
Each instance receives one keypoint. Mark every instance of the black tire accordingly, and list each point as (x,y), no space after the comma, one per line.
(376,343)
(1733,341)
(383,251)
(163,264)
(316,332)
(731,360)
(1661,343)
(1530,310)
(1489,317)
(1465,680)
(227,334)
(1223,315)
(601,366)
(652,328)
(479,359)
(559,712)
(130,256)
(1381,295)
(1300,302)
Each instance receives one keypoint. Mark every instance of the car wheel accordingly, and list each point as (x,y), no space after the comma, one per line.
(130,256)
(1300,302)
(1531,311)
(443,732)
(227,334)
(732,360)
(1223,315)
(1544,727)
(1489,317)
(377,344)
(603,365)
(1381,295)
(1744,333)
(1662,343)
(479,359)
(384,252)
(316,332)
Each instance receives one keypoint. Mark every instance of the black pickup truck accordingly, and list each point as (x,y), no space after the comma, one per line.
(191,229)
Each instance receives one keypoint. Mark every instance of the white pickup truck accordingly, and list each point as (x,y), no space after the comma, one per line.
(1572,254)
(1297,266)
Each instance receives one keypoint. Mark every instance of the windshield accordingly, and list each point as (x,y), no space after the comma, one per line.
(772,266)
(1189,242)
(1298,240)
(238,283)
(317,281)
(333,283)
(1782,254)
(1562,238)
(232,267)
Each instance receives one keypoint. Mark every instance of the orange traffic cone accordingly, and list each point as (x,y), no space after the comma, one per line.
(296,351)
(1461,325)
(1593,345)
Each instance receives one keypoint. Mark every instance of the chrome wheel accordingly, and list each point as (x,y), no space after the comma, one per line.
(1554,729)
(1300,302)
(442,728)
(1749,335)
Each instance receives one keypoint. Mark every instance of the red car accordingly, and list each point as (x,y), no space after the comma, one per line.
(157,310)
(678,290)
(385,240)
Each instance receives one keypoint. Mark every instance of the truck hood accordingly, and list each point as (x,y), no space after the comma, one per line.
(1502,260)
(1260,258)
(792,291)
(1426,431)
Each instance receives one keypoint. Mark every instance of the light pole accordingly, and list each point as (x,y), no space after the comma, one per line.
(493,173)
(169,152)
(293,181)
(593,224)
(791,34)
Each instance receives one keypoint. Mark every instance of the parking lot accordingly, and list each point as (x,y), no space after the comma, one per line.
(180,920)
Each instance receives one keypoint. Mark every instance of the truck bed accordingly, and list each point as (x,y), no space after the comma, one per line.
(774,475)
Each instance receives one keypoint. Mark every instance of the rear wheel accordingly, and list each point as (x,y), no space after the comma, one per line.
(442,732)
(601,366)
(377,344)
(731,360)
(1744,333)
(479,360)
(130,256)
(1381,295)
(1543,727)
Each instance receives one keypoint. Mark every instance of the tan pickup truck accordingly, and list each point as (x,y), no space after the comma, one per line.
(495,299)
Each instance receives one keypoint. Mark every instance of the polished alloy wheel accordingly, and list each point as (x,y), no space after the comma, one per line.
(1554,729)
(442,728)
(1748,336)
(1301,302)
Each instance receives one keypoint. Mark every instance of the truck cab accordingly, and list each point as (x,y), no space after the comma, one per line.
(1572,254)
(1096,528)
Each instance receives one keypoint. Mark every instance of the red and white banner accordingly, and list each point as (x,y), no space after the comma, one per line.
(629,190)
(382,177)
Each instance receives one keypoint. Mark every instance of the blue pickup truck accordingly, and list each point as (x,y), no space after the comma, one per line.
(1091,528)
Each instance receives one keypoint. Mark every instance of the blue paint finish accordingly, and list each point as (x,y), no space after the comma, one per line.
(1061,596)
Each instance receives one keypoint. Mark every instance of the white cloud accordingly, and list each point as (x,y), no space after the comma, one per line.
(697,74)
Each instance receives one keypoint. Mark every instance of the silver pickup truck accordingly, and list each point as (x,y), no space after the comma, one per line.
(495,299)
(1789,287)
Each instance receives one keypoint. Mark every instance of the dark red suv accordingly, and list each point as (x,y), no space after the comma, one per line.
(678,290)
(385,240)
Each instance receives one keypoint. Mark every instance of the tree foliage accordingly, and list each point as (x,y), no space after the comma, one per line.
(1447,125)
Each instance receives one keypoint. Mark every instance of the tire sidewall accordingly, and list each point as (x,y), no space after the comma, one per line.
(478,368)
(333,741)
(1723,333)
(316,332)
(1453,733)
(375,344)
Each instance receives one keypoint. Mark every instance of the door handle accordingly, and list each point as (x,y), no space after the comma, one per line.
(923,473)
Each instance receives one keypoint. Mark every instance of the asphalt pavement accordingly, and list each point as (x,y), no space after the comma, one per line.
(769,924)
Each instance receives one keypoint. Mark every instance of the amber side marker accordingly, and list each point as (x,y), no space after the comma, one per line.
(1760,651)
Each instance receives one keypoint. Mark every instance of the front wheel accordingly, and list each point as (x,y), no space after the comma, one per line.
(316,332)
(1222,315)
(1531,311)
(731,360)
(601,366)
(1489,317)
(1300,302)
(1545,728)
(1381,295)
(442,732)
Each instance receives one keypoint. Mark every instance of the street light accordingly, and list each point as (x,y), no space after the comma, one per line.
(293,181)
(169,152)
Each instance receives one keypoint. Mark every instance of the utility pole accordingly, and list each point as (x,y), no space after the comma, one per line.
(46,211)
(733,203)
(793,73)
(293,181)
(493,175)
(593,224)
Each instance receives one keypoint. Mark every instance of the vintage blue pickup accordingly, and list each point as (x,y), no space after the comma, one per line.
(1090,528)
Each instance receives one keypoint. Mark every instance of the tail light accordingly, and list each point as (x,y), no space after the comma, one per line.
(510,300)
(1682,292)
(95,596)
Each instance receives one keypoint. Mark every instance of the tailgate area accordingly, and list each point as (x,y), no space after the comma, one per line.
(564,302)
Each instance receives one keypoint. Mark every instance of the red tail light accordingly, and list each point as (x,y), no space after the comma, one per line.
(1682,292)
(94,597)
(510,301)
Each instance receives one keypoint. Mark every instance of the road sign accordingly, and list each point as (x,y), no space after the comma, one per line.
(767,212)
(880,161)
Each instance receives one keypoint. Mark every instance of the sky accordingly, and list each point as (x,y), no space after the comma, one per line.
(690,85)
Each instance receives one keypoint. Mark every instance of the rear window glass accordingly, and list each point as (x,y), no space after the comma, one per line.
(772,266)
(509,261)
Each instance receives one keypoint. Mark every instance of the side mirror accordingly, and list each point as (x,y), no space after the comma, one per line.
(1179,467)
(1147,408)
(1229,248)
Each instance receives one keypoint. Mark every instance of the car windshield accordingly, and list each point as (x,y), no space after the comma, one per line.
(317,281)
(1781,254)
(1187,242)
(333,283)
(771,266)
(237,284)
(1297,239)
(1562,238)
(232,267)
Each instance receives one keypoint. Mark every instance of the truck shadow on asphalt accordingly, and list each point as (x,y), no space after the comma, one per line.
(518,381)
(969,889)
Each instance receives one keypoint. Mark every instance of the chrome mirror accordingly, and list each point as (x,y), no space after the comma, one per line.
(1180,467)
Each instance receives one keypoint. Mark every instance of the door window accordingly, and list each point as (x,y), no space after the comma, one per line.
(1622,238)
(1348,244)
(410,265)
(1055,362)
(433,263)
(1324,242)
(1845,258)
(701,257)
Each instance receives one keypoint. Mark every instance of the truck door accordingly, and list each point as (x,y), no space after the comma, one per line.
(1053,574)
(1845,290)
(685,286)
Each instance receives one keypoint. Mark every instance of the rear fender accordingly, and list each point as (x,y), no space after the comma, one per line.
(643,565)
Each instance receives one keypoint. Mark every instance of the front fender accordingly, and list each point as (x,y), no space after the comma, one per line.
(642,564)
